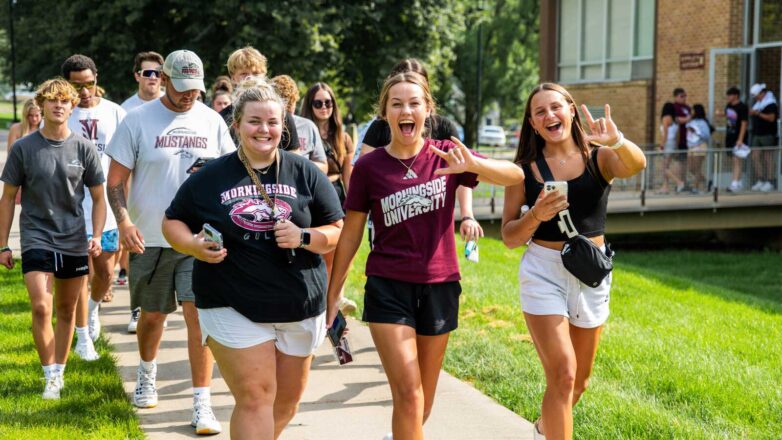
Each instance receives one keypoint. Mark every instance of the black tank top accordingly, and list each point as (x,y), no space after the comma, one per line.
(587,196)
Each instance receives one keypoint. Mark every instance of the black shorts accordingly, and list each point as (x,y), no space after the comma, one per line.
(431,309)
(62,266)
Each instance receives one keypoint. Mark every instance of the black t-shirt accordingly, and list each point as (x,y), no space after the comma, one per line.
(256,278)
(734,116)
(379,133)
(761,127)
(290,137)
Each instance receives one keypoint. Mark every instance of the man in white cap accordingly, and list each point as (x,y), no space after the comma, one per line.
(158,143)
(764,114)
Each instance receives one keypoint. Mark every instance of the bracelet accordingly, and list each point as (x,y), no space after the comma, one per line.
(467,217)
(532,211)
(6,249)
(619,142)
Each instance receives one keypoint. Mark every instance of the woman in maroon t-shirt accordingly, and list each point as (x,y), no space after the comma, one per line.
(411,297)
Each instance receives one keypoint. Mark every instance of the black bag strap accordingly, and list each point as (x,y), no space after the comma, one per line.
(545,171)
(565,222)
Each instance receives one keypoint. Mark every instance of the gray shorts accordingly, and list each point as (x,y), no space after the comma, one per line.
(159,278)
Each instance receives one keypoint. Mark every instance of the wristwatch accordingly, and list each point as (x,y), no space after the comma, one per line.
(5,249)
(305,238)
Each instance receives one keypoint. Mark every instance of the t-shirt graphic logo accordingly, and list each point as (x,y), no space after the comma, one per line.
(181,138)
(413,201)
(410,175)
(76,163)
(255,215)
(89,128)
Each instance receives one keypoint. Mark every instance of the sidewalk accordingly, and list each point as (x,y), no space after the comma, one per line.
(351,402)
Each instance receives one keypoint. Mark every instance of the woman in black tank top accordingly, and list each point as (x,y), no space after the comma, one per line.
(564,316)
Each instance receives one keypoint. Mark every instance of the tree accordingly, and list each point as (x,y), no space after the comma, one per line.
(509,45)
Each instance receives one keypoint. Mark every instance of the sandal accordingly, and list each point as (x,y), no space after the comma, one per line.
(108,297)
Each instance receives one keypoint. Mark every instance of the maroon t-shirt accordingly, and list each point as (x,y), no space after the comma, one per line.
(412,214)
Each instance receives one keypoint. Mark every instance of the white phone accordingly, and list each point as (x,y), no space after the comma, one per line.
(560,186)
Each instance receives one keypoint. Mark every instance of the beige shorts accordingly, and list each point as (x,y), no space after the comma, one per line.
(233,330)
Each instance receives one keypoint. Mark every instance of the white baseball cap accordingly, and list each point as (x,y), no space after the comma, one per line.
(185,70)
(756,89)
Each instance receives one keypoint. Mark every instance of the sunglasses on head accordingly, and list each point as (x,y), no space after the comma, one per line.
(149,73)
(317,103)
(85,85)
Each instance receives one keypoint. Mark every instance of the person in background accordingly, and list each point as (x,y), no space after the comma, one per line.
(30,123)
(146,71)
(53,166)
(411,298)
(261,297)
(222,90)
(157,144)
(564,316)
(675,116)
(96,119)
(320,106)
(699,131)
(764,114)
(310,143)
(736,123)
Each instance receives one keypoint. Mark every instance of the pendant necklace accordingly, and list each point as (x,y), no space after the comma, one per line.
(410,174)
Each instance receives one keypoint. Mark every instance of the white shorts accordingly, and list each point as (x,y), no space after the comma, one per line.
(233,330)
(547,288)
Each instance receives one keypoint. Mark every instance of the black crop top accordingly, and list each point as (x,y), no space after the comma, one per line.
(587,196)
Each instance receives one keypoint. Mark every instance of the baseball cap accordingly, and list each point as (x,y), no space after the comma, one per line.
(756,89)
(185,70)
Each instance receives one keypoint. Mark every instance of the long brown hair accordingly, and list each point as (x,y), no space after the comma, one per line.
(336,135)
(531,144)
(409,77)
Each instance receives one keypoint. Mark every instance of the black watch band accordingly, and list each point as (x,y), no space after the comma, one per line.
(305,238)
(467,217)
(6,249)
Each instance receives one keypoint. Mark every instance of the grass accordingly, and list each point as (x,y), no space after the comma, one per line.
(93,404)
(691,350)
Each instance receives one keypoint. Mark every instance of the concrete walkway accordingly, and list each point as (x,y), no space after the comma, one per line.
(340,403)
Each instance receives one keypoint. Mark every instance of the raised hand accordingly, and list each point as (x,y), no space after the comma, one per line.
(603,131)
(459,158)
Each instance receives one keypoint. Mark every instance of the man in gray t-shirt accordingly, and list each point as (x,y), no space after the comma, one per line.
(53,165)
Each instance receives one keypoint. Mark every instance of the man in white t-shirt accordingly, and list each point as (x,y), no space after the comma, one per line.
(96,119)
(158,143)
(146,70)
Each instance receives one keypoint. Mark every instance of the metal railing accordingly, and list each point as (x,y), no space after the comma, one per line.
(687,174)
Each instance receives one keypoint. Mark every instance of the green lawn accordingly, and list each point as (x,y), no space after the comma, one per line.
(692,350)
(93,404)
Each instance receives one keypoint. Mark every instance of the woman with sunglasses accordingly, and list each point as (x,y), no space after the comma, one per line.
(260,293)
(411,299)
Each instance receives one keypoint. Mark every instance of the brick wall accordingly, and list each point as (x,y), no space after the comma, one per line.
(629,104)
(696,26)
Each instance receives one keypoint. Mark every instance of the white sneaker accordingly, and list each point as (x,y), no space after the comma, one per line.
(347,306)
(146,393)
(54,384)
(536,435)
(735,186)
(766,187)
(94,324)
(133,324)
(757,185)
(204,420)
(86,351)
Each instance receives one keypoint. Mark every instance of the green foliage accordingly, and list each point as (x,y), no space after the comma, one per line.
(93,403)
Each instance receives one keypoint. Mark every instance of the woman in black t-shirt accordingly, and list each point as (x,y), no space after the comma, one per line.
(261,296)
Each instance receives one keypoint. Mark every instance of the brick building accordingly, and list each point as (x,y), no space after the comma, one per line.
(633,53)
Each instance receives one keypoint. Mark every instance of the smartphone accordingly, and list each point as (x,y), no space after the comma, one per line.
(560,186)
(337,329)
(342,351)
(201,161)
(213,235)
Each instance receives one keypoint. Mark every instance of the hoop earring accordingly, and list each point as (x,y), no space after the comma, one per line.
(536,132)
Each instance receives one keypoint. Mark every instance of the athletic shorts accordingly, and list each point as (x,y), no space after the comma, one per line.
(431,309)
(62,266)
(159,278)
(547,288)
(233,330)
(109,240)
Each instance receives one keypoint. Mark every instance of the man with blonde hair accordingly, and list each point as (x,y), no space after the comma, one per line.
(246,62)
(53,165)
(310,143)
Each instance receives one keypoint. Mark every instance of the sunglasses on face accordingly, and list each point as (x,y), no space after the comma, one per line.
(317,103)
(85,85)
(149,73)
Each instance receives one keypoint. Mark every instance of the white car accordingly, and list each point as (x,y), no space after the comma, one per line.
(492,135)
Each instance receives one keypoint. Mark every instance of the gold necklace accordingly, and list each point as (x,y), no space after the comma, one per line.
(410,174)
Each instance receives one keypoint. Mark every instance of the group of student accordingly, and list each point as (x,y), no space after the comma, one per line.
(291,206)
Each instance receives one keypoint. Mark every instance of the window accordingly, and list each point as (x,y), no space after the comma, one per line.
(605,40)
(769,16)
